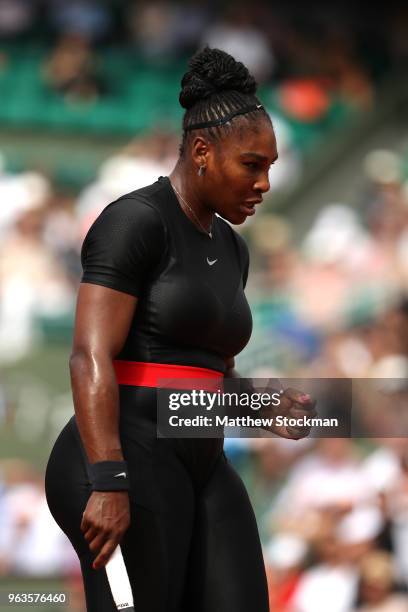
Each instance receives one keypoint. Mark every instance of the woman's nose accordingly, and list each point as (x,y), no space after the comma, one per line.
(262,183)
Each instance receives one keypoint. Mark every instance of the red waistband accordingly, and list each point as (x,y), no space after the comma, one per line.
(165,375)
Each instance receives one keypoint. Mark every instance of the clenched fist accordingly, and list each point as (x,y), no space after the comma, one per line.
(294,404)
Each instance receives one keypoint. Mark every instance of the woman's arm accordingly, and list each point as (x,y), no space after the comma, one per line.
(102,322)
(293,403)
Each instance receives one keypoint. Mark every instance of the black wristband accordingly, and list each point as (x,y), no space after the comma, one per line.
(109,476)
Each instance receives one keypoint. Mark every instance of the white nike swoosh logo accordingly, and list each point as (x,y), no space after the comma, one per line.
(211,263)
(123,474)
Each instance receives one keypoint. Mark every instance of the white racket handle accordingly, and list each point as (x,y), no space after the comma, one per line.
(119,581)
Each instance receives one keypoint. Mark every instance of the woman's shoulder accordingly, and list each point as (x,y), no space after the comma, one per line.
(125,243)
(138,211)
(143,203)
(132,217)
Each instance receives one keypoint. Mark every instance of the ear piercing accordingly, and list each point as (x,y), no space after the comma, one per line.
(201,170)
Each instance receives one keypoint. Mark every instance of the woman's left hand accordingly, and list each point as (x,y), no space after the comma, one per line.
(293,405)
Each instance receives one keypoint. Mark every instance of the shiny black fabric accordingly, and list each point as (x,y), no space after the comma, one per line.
(193,543)
(192,308)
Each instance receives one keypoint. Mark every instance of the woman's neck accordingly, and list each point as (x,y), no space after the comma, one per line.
(187,183)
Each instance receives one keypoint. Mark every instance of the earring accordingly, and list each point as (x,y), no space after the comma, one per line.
(201,171)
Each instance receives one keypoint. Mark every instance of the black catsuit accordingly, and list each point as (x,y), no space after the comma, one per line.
(193,543)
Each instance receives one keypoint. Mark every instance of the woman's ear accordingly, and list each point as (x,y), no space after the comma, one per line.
(201,152)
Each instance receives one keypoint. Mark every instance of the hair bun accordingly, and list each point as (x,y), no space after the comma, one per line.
(213,71)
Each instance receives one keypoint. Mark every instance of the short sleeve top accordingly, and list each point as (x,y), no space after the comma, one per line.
(191,308)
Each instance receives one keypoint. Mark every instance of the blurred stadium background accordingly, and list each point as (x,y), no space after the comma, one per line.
(88,111)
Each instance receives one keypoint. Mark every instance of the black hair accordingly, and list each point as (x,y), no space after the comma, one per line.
(215,89)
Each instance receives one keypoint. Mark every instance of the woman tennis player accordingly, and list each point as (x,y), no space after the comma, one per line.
(162,295)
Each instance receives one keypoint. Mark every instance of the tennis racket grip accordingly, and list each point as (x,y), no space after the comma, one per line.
(119,582)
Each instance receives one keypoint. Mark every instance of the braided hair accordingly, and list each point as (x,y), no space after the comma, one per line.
(216,89)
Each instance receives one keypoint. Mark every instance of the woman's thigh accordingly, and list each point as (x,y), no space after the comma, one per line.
(226,570)
(156,546)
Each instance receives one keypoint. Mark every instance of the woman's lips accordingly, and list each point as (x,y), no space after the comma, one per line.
(248,208)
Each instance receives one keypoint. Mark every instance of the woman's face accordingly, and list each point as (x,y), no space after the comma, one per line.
(237,171)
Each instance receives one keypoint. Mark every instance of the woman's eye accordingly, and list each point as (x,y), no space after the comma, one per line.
(252,165)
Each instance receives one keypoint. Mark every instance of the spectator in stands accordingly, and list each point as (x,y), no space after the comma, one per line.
(29,542)
(89,19)
(329,477)
(237,34)
(16,17)
(153,27)
(20,499)
(343,69)
(161,29)
(192,17)
(342,541)
(142,160)
(285,557)
(72,70)
(386,470)
(32,283)
(377,585)
(61,233)
(265,468)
